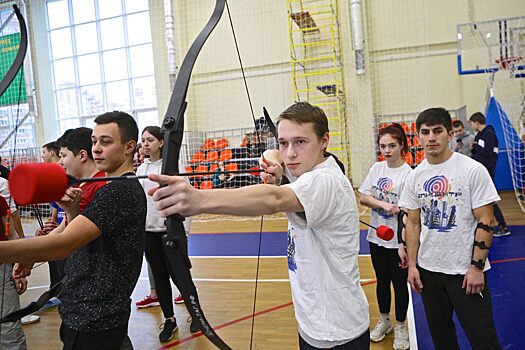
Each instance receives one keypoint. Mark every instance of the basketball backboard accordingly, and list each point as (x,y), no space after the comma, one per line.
(488,46)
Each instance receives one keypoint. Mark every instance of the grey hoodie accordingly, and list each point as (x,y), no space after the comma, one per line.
(462,144)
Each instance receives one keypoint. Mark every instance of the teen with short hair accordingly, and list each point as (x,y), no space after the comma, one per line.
(77,160)
(323,233)
(462,139)
(449,199)
(485,151)
(104,244)
(50,152)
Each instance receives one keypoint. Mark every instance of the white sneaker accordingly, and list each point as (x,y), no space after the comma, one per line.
(380,330)
(401,341)
(30,319)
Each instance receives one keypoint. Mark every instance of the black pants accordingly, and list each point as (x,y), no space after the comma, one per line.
(360,343)
(386,266)
(442,294)
(158,262)
(498,214)
(110,339)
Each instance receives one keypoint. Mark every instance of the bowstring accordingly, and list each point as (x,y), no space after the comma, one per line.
(31,269)
(38,216)
(13,159)
(259,149)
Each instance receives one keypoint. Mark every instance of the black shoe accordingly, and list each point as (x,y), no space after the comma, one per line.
(168,328)
(501,231)
(194,325)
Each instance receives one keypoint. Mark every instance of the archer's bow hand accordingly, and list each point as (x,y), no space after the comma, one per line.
(272,165)
(22,270)
(20,285)
(175,196)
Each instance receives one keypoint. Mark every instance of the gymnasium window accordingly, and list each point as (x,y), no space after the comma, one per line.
(14,109)
(102,60)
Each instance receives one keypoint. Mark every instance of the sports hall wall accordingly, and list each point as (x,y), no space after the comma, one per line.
(410,50)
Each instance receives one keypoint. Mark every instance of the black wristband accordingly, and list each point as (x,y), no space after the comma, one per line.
(400,227)
(481,245)
(480,264)
(484,227)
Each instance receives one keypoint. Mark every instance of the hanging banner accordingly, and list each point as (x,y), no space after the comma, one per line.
(8,49)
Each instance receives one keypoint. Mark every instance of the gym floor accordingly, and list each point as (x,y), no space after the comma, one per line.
(224,258)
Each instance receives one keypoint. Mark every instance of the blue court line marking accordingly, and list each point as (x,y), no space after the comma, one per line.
(246,244)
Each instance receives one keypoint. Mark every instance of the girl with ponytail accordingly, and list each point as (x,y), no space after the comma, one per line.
(380,192)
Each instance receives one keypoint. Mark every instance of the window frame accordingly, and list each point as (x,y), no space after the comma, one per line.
(84,119)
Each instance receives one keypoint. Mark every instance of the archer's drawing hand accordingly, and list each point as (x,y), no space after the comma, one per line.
(70,202)
(272,165)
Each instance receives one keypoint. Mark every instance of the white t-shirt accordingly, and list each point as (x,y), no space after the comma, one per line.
(154,222)
(4,192)
(446,193)
(323,244)
(385,184)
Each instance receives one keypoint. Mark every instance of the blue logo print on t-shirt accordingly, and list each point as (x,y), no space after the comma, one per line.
(383,192)
(292,266)
(439,208)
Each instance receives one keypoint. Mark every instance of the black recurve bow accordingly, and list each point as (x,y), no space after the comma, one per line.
(4,85)
(175,241)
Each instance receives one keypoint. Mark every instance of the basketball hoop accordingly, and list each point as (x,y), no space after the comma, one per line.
(509,62)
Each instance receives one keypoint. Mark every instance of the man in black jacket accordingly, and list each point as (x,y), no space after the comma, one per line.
(485,151)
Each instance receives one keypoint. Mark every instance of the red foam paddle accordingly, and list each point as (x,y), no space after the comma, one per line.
(383,232)
(34,183)
(38,183)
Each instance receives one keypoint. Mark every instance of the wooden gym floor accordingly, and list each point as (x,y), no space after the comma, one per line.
(226,288)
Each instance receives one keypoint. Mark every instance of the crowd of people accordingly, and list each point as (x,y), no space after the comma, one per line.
(99,231)
(446,245)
